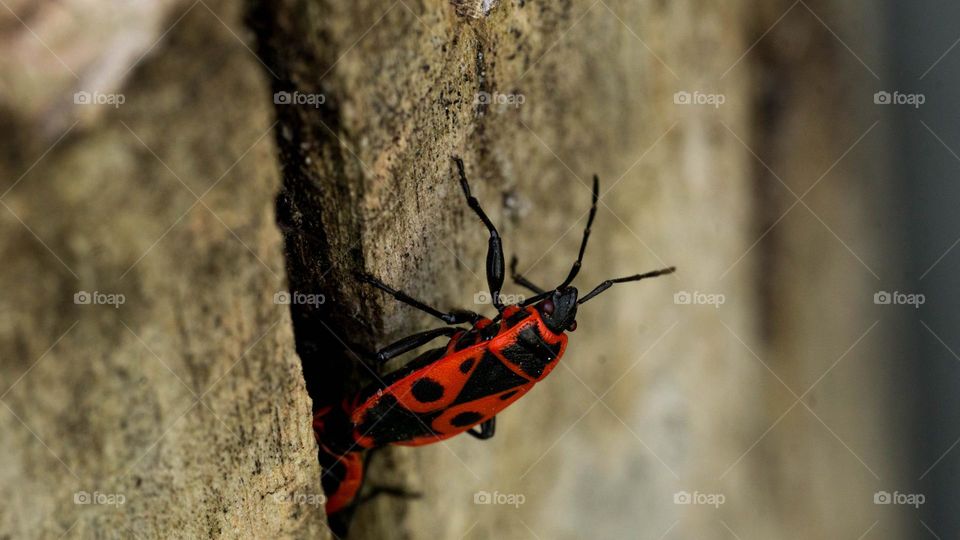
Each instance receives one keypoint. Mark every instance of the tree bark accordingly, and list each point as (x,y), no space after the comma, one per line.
(193,398)
(535,98)
(182,411)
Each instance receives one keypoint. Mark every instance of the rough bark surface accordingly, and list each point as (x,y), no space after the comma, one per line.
(649,402)
(187,400)
(369,186)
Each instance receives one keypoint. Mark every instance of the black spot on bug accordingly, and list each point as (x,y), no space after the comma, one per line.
(508,395)
(489,378)
(530,352)
(466,365)
(387,422)
(417,363)
(426,390)
(466,419)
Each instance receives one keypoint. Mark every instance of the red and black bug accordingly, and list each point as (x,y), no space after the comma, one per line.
(462,386)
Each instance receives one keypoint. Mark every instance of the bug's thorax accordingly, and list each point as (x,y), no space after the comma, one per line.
(522,339)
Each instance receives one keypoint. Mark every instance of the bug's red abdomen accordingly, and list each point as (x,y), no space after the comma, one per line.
(348,471)
(464,416)
(461,388)
(436,386)
(342,469)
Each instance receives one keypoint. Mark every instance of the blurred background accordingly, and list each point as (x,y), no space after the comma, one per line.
(924,160)
(177,176)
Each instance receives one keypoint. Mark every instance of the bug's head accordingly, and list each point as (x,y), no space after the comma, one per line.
(559,310)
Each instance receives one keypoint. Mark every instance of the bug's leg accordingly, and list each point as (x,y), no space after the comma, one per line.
(412,342)
(522,281)
(392,491)
(586,235)
(377,490)
(457,316)
(495,263)
(487,429)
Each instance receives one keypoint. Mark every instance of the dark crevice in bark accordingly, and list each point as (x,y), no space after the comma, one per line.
(316,210)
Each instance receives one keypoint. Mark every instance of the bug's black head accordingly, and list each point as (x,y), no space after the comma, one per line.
(559,310)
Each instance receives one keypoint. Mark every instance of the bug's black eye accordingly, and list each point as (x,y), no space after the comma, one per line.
(548,306)
(572,327)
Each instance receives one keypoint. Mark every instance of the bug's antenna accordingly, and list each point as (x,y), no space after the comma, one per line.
(609,283)
(586,235)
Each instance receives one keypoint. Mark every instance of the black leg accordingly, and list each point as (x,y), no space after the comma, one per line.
(457,316)
(495,264)
(377,490)
(412,342)
(522,281)
(487,429)
(391,491)
(586,234)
